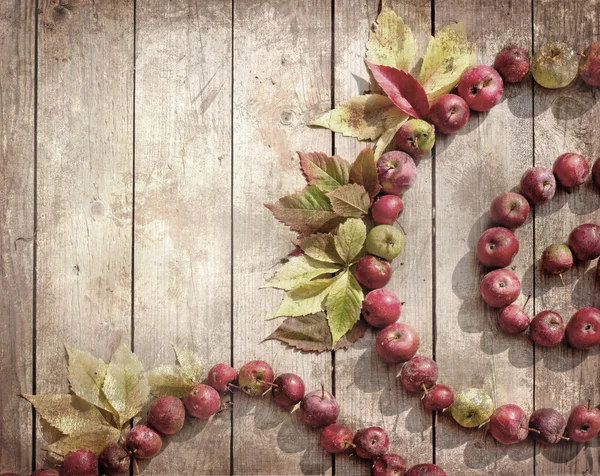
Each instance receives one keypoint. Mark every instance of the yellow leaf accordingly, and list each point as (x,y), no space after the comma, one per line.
(394,122)
(189,364)
(350,239)
(86,376)
(307,298)
(319,246)
(168,380)
(343,305)
(94,441)
(391,42)
(298,270)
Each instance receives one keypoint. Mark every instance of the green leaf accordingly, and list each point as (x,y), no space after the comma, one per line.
(447,57)
(86,376)
(351,200)
(364,172)
(94,441)
(350,239)
(343,305)
(168,380)
(391,42)
(319,246)
(189,364)
(326,173)
(306,211)
(386,141)
(298,270)
(125,385)
(307,298)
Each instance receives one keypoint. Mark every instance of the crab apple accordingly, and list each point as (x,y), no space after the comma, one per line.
(508,424)
(372,272)
(497,247)
(167,415)
(288,390)
(513,319)
(221,376)
(449,114)
(549,425)
(571,170)
(512,63)
(15,474)
(390,464)
(481,87)
(114,461)
(397,172)
(336,438)
(381,307)
(583,423)
(255,377)
(80,463)
(371,442)
(596,173)
(319,408)
(418,373)
(538,185)
(415,137)
(510,210)
(143,442)
(557,259)
(584,241)
(500,288)
(49,472)
(589,65)
(426,469)
(439,397)
(554,65)
(583,329)
(385,241)
(472,407)
(203,401)
(386,209)
(397,343)
(547,328)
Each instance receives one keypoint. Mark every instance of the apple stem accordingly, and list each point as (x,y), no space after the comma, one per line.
(560,437)
(561,279)
(530,429)
(230,386)
(136,467)
(526,301)
(322,391)
(403,230)
(424,388)
(484,423)
(589,404)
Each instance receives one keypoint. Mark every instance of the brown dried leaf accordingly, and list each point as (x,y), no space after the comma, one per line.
(94,441)
(323,171)
(350,200)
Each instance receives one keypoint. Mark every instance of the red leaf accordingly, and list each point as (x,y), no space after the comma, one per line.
(404,90)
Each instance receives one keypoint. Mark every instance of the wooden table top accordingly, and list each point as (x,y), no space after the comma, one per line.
(137,145)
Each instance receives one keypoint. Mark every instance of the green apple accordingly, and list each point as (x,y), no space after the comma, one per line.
(385,241)
(472,407)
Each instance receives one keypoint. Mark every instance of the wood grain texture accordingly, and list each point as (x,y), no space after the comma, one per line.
(282,54)
(367,388)
(482,161)
(17,62)
(565,120)
(85,133)
(182,273)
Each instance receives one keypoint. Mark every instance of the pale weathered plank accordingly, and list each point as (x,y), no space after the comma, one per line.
(17,60)
(85,132)
(484,160)
(182,235)
(366,387)
(282,54)
(565,120)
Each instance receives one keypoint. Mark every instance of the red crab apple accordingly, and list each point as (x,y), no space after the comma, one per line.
(547,328)
(203,401)
(114,461)
(583,329)
(319,408)
(418,374)
(584,241)
(571,170)
(143,442)
(426,469)
(513,319)
(557,259)
(596,173)
(508,424)
(167,415)
(397,172)
(500,288)
(481,87)
(397,343)
(288,390)
(221,376)
(336,438)
(381,307)
(15,474)
(449,114)
(372,272)
(385,241)
(255,377)
(510,210)
(49,472)
(497,247)
(439,397)
(548,425)
(386,209)
(583,423)
(80,463)
(390,464)
(589,65)
(538,185)
(415,137)
(371,443)
(512,63)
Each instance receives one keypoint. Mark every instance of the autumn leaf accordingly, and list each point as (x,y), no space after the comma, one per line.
(350,239)
(343,305)
(306,298)
(364,172)
(189,364)
(168,380)
(394,122)
(350,200)
(125,385)
(86,376)
(326,173)
(448,56)
(298,270)
(306,211)
(357,332)
(94,441)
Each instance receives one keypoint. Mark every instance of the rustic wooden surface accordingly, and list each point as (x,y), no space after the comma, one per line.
(138,143)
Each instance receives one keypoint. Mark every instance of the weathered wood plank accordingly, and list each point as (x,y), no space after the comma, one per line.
(85,133)
(282,54)
(366,387)
(484,160)
(565,120)
(17,62)
(182,235)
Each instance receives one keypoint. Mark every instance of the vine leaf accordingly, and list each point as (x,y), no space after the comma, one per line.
(320,247)
(364,172)
(300,269)
(168,380)
(86,376)
(350,200)
(94,441)
(350,239)
(306,298)
(343,305)
(189,363)
(326,173)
